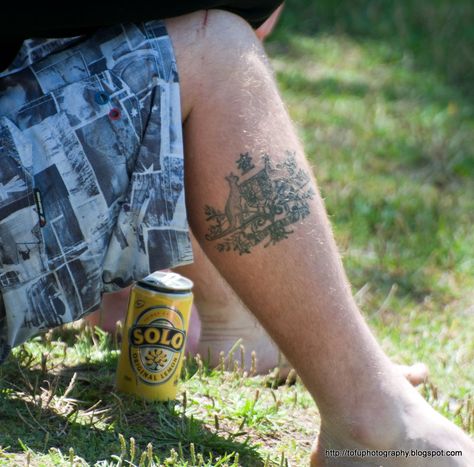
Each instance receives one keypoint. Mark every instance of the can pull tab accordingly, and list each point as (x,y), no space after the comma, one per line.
(169,281)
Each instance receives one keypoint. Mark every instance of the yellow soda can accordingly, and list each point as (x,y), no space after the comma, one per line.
(154,336)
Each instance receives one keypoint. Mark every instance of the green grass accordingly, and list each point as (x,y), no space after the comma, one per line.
(391,140)
(59,407)
(381,93)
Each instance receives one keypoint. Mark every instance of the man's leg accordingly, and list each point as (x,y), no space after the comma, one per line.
(289,273)
(219,320)
(225,319)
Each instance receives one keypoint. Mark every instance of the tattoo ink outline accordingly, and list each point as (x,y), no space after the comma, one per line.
(261,206)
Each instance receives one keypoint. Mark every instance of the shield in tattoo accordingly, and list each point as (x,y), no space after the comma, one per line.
(261,205)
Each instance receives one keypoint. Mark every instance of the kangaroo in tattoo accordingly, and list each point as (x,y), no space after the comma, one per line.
(260,206)
(233,206)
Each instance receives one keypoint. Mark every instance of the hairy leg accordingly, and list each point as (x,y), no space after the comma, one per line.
(225,320)
(262,223)
(218,321)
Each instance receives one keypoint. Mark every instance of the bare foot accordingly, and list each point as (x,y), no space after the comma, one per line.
(415,374)
(414,435)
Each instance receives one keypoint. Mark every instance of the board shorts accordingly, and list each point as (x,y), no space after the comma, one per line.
(91,174)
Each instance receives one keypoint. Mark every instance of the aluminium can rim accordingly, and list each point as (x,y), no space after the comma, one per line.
(167,282)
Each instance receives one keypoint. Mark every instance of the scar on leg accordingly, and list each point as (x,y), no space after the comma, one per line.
(206,14)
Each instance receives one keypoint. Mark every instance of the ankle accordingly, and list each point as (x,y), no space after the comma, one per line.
(377,422)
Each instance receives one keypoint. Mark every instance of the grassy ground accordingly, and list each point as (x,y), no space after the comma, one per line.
(380,93)
(59,407)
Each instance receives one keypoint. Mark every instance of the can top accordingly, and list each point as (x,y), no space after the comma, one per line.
(167,281)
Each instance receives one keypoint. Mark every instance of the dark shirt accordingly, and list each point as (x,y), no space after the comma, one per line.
(50,19)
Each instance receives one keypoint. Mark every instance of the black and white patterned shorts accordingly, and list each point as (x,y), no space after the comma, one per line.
(91,174)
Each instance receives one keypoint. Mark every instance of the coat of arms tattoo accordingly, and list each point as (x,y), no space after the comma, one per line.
(262,204)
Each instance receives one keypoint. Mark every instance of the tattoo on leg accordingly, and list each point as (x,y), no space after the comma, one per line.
(262,203)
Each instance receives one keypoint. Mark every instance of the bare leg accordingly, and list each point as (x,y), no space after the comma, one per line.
(225,319)
(113,308)
(219,321)
(296,287)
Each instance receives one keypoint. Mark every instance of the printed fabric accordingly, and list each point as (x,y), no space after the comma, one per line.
(91,174)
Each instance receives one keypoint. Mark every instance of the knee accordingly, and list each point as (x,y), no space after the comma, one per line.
(209,32)
(212,47)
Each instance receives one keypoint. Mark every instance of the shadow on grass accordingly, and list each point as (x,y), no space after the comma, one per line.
(439,36)
(42,410)
(298,83)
